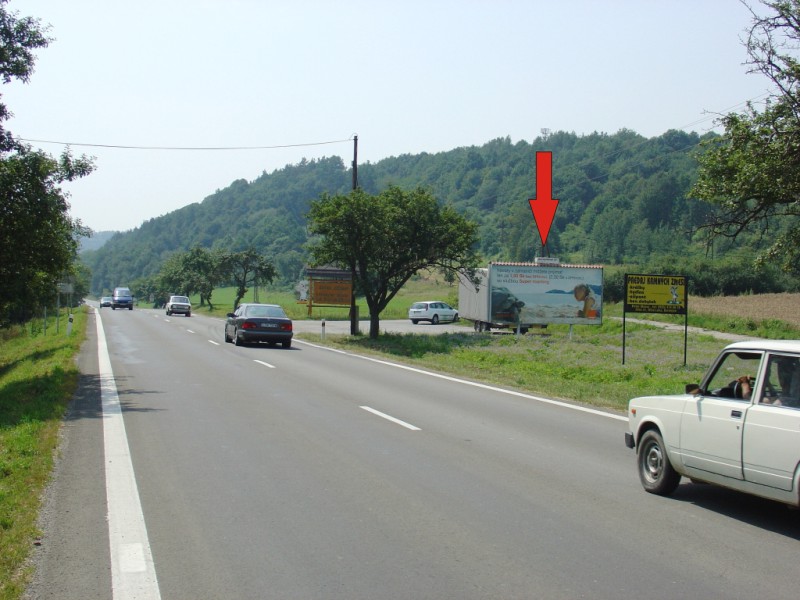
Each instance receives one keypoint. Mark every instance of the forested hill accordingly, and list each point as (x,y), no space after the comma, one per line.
(622,198)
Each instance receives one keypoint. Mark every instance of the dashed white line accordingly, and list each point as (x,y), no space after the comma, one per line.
(390,418)
(213,342)
(261,362)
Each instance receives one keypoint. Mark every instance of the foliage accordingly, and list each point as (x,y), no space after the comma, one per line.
(246,268)
(384,240)
(752,173)
(38,239)
(624,200)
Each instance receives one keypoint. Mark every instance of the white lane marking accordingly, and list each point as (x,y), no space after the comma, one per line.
(213,342)
(482,386)
(390,418)
(190,331)
(133,573)
(261,362)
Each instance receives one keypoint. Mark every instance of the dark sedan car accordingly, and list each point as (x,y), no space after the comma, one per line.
(259,323)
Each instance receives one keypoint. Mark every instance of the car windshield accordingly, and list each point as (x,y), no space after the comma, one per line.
(183,299)
(122,292)
(264,311)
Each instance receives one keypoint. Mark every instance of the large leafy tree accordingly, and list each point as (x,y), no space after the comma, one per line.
(197,271)
(752,172)
(37,236)
(387,238)
(246,268)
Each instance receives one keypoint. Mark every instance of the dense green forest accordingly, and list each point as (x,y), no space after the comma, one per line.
(623,201)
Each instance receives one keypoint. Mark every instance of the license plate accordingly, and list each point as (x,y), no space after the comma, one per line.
(269,326)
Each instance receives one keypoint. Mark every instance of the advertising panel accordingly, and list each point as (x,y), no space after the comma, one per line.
(539,295)
(664,294)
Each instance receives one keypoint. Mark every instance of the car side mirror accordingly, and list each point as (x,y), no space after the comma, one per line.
(231,315)
(692,388)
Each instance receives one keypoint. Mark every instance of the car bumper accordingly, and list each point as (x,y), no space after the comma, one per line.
(264,336)
(180,310)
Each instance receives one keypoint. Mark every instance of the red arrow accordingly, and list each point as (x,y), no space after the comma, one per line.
(544,205)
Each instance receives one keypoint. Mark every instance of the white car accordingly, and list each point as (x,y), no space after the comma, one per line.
(179,305)
(434,311)
(740,428)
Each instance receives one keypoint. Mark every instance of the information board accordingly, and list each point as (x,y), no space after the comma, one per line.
(666,294)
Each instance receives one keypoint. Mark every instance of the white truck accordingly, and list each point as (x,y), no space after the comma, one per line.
(523,295)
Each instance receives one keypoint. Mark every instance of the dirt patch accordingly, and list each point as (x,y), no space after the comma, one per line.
(783,307)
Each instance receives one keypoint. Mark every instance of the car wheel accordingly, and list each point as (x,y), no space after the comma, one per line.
(435,320)
(188,314)
(227,337)
(237,340)
(655,471)
(455,318)
(414,321)
(287,344)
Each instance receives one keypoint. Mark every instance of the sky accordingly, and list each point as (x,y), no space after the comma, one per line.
(149,87)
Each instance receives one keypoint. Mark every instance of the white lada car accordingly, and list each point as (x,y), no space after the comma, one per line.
(740,428)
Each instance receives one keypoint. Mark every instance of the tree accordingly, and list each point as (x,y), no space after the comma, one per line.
(752,172)
(38,239)
(246,268)
(197,271)
(385,239)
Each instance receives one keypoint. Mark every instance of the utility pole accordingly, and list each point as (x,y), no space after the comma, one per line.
(353,305)
(355,161)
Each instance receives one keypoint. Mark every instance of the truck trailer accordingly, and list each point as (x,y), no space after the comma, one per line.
(520,296)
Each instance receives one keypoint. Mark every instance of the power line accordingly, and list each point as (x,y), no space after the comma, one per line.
(191,148)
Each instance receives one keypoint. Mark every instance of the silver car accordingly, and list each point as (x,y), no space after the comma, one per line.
(179,305)
(434,311)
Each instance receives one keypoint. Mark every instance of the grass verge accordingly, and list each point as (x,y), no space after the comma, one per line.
(38,376)
(584,366)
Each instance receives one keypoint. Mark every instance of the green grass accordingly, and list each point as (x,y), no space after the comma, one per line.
(769,328)
(585,366)
(38,376)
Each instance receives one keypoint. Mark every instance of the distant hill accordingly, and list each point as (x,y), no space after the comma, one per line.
(623,198)
(96,241)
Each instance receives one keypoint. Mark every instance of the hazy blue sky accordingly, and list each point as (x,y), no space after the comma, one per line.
(406,76)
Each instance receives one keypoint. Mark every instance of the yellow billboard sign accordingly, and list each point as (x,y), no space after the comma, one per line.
(656,294)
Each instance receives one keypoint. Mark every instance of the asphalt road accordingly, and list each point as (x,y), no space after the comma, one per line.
(313,473)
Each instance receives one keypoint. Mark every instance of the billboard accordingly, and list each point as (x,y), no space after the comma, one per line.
(666,294)
(540,295)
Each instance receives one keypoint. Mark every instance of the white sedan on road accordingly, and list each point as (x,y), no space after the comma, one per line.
(740,428)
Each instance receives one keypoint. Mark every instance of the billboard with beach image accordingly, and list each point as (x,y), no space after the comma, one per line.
(529,293)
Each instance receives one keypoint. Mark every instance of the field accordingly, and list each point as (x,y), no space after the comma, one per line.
(780,307)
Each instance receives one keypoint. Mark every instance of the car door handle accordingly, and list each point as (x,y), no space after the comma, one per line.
(736,414)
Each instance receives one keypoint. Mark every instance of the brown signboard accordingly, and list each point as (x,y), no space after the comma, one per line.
(330,292)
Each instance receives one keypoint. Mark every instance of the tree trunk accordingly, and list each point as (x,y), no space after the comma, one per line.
(374,325)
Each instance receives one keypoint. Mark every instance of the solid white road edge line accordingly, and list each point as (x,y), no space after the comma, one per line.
(390,418)
(482,386)
(133,573)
